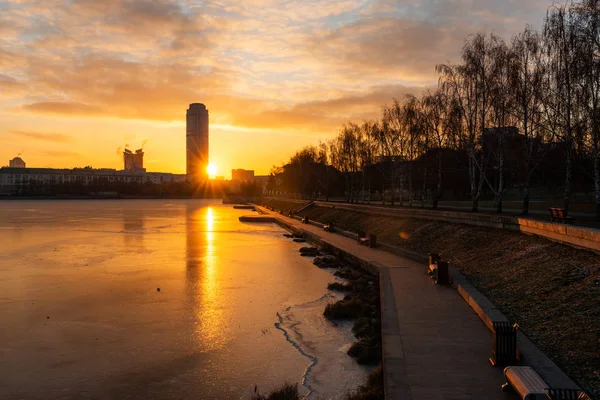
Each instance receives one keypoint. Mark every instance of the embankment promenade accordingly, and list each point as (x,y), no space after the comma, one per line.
(573,235)
(436,340)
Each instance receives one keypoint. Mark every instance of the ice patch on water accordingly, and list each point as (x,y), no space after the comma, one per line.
(331,373)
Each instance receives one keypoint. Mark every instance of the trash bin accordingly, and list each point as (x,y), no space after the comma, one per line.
(441,275)
(504,344)
(372,240)
(361,235)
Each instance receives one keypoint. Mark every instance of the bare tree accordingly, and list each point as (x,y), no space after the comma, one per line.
(501,103)
(468,85)
(560,42)
(393,118)
(587,15)
(525,88)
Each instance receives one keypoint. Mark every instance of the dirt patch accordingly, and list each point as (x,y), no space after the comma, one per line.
(551,290)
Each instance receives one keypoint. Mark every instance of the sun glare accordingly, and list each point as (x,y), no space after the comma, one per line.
(211,169)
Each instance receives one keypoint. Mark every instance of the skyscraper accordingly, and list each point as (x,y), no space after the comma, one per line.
(196,141)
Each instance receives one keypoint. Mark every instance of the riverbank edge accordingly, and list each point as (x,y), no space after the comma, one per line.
(393,371)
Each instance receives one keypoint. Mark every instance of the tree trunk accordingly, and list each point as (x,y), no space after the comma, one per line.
(438,191)
(424,189)
(382,188)
(402,186)
(348,192)
(473,183)
(596,137)
(410,187)
(392,196)
(567,194)
(525,210)
(501,179)
(362,190)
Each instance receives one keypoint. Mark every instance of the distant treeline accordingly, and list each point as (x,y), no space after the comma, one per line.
(517,114)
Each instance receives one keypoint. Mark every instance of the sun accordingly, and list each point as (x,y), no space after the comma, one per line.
(211,169)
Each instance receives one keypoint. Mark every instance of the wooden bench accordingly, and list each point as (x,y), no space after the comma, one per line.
(439,272)
(370,241)
(560,215)
(433,259)
(567,394)
(362,237)
(526,382)
(329,228)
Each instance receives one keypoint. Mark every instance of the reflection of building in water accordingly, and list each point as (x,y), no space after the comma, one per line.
(202,282)
(133,228)
(193,247)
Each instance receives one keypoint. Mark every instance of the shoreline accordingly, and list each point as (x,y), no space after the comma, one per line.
(9,198)
(505,266)
(348,275)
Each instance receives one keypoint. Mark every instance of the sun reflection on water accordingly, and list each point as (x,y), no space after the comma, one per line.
(204,278)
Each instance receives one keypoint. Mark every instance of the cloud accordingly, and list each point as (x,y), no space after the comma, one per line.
(280,64)
(50,137)
(11,87)
(65,107)
(400,48)
(326,115)
(62,154)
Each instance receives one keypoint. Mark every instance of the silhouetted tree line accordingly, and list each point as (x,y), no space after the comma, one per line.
(517,114)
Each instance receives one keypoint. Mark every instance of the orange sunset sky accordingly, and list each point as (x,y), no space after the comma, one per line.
(81,79)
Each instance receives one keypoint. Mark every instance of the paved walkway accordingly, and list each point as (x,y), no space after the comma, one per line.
(434,345)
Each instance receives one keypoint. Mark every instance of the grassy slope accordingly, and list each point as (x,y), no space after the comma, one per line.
(551,290)
(284,204)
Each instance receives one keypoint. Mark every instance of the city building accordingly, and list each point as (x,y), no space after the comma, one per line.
(196,141)
(134,162)
(16,162)
(262,181)
(13,179)
(242,175)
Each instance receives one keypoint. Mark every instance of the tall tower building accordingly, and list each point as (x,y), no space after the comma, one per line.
(196,141)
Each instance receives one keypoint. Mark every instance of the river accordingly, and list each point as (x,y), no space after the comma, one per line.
(160,299)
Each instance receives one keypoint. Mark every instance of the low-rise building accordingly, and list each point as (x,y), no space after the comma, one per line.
(13,179)
(242,175)
(133,162)
(16,162)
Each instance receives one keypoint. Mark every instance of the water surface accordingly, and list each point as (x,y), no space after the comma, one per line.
(159,300)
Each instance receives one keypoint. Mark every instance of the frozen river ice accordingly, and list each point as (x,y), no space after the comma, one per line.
(82,315)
